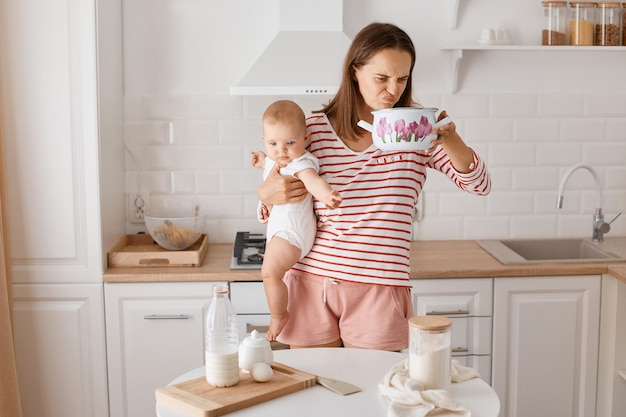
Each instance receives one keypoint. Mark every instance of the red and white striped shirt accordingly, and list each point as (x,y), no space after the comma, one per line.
(368,237)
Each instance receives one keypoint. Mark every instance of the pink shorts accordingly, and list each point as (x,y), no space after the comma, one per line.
(323,310)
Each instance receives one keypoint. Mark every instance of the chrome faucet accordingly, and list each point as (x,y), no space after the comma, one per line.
(600,227)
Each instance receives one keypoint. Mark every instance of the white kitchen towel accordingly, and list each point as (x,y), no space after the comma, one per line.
(409,399)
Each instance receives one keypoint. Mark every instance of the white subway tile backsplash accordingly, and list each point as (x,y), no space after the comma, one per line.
(488,130)
(510,203)
(560,105)
(533,226)
(527,129)
(583,129)
(438,228)
(247,132)
(605,105)
(466,105)
(579,225)
(191,132)
(501,178)
(529,114)
(535,179)
(554,154)
(512,155)
(616,128)
(193,107)
(486,227)
(461,204)
(513,105)
(528,141)
(208,182)
(611,153)
(183,182)
(146,132)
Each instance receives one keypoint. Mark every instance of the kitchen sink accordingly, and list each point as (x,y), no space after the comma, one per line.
(523,251)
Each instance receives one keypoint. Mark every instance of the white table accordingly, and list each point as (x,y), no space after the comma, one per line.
(362,367)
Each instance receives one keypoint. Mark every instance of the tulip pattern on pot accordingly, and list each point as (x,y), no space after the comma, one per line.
(400,131)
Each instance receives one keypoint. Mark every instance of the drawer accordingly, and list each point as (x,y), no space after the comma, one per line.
(468,297)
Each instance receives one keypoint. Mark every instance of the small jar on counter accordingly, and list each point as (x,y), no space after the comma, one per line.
(581,23)
(430,354)
(554,31)
(607,24)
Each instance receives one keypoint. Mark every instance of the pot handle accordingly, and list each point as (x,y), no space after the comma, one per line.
(365,125)
(442,122)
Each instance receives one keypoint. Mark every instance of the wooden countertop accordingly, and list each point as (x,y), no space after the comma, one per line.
(429,259)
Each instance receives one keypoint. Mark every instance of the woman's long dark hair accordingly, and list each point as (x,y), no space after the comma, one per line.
(372,39)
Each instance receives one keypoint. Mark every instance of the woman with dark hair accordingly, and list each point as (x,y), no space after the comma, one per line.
(353,287)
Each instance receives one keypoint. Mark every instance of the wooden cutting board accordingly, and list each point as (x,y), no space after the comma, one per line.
(141,251)
(198,398)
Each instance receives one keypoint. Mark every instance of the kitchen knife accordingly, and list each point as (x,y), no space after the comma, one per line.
(340,387)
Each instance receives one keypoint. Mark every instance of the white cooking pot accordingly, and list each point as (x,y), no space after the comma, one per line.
(404,128)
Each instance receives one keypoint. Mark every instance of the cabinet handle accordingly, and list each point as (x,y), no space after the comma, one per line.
(166,317)
(460,350)
(447,313)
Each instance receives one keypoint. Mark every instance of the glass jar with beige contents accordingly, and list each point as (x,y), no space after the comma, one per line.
(581,23)
(607,24)
(554,31)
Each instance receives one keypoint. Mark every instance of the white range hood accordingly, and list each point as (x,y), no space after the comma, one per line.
(305,57)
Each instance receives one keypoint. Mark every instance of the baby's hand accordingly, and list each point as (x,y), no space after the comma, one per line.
(333,200)
(257,159)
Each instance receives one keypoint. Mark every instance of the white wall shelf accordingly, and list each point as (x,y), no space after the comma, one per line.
(457,53)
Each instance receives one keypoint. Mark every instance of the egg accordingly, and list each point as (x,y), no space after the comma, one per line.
(261,372)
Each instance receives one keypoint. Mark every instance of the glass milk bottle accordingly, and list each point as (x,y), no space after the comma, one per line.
(221,340)
(554,31)
(430,353)
(581,23)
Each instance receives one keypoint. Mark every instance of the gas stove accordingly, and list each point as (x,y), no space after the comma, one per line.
(248,251)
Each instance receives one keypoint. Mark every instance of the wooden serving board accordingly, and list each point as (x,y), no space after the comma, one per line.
(141,251)
(198,398)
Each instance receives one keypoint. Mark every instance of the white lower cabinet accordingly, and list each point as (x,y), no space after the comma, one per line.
(468,303)
(154,334)
(545,345)
(612,358)
(59,349)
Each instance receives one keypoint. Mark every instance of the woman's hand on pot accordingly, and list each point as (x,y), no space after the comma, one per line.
(278,189)
(460,154)
(447,131)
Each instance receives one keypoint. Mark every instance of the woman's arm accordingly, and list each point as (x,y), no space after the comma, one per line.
(278,189)
(461,156)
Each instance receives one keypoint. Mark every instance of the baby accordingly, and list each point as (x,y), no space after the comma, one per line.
(291,228)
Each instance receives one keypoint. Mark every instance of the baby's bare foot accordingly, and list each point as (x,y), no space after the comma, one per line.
(277,323)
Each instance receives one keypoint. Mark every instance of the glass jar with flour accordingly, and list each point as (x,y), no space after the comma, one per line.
(430,351)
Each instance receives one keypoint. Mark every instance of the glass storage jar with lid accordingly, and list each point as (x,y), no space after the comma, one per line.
(554,31)
(607,24)
(623,24)
(581,23)
(430,353)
